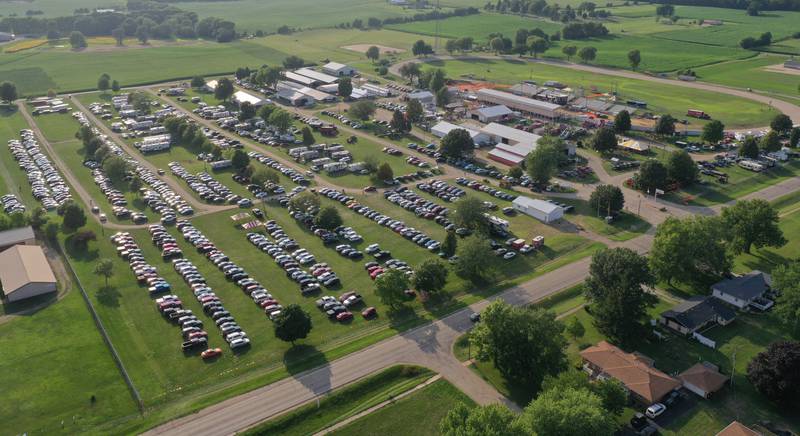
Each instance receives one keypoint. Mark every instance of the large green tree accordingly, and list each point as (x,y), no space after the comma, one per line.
(328,218)
(770,142)
(8,92)
(713,132)
(280,120)
(305,202)
(116,168)
(542,162)
(390,288)
(490,420)
(604,140)
(652,175)
(345,87)
(104,268)
(292,323)
(569,411)
(749,148)
(634,59)
(476,261)
(751,223)
(786,278)
(665,125)
(690,250)
(362,110)
(224,89)
(622,122)
(775,373)
(618,301)
(469,213)
(607,200)
(414,111)
(74,216)
(430,276)
(781,123)
(457,144)
(681,168)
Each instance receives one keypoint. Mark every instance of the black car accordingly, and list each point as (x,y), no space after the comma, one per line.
(638,421)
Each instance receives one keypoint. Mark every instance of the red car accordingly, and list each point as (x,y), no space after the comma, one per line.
(369,312)
(200,334)
(344,316)
(211,352)
(375,273)
(346,295)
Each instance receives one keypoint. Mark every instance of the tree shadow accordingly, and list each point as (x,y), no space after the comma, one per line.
(299,361)
(108,296)
(77,251)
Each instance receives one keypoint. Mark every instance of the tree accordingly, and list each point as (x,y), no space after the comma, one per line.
(280,120)
(104,268)
(115,86)
(345,87)
(224,89)
(752,9)
(135,184)
(775,373)
(569,51)
(450,244)
(622,122)
(292,323)
(269,76)
(362,110)
(242,73)
(384,172)
(575,328)
(752,223)
(304,202)
(8,92)
(665,10)
(143,34)
(497,45)
(794,137)
(39,218)
(400,122)
(246,111)
(430,277)
(438,80)
(713,132)
(525,344)
(515,172)
(469,214)
(308,136)
(587,54)
(81,239)
(559,412)
(537,45)
(451,46)
(770,142)
(781,123)
(634,58)
(390,287)
(476,261)
(410,70)
(51,231)
(613,394)
(262,175)
(116,168)
(198,82)
(604,140)
(442,97)
(240,159)
(328,218)
(119,35)
(652,175)
(786,278)
(490,420)
(74,217)
(373,53)
(689,250)
(665,125)
(421,48)
(614,289)
(293,62)
(77,40)
(542,162)
(414,111)
(681,168)
(608,200)
(749,148)
(457,144)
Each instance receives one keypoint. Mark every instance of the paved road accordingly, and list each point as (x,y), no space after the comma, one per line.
(788,108)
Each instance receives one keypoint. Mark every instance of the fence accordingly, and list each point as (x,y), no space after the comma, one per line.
(134,392)
(704,340)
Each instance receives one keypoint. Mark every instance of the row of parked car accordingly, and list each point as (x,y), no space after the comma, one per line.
(339,308)
(478,186)
(341,117)
(442,189)
(11,204)
(206,187)
(46,182)
(289,172)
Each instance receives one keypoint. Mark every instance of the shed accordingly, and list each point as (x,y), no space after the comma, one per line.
(339,70)
(25,273)
(539,209)
(703,379)
(18,236)
(241,97)
(491,114)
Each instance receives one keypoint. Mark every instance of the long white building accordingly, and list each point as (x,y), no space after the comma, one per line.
(519,103)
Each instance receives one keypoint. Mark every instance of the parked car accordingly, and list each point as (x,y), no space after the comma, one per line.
(211,353)
(655,410)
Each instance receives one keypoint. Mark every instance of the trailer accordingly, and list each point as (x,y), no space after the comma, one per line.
(696,113)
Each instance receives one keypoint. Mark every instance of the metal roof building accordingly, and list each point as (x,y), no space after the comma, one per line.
(299,78)
(316,75)
(523,104)
(541,210)
(18,236)
(337,69)
(491,114)
(25,273)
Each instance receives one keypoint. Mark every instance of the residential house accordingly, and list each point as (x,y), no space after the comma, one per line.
(744,291)
(736,428)
(696,314)
(703,379)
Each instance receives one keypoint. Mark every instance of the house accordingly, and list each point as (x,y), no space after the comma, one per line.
(736,428)
(25,273)
(703,379)
(338,70)
(636,372)
(519,103)
(744,291)
(316,75)
(541,210)
(240,97)
(18,236)
(697,313)
(491,114)
(425,98)
(442,128)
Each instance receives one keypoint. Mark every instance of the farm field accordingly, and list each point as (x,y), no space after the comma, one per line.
(734,112)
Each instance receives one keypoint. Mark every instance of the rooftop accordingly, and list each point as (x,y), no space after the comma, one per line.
(14,236)
(745,287)
(736,428)
(494,111)
(510,133)
(24,264)
(316,75)
(544,206)
(704,376)
(334,66)
(696,311)
(513,98)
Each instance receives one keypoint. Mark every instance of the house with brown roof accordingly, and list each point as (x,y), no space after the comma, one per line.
(703,379)
(736,428)
(636,372)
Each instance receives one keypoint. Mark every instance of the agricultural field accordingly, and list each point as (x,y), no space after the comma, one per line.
(733,111)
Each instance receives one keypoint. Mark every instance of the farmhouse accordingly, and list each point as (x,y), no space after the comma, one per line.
(339,70)
(697,313)
(703,379)
(240,97)
(491,114)
(541,210)
(527,105)
(645,383)
(25,273)
(316,75)
(744,291)
(19,236)
(442,128)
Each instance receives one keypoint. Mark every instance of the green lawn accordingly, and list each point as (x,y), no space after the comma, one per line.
(740,182)
(345,402)
(752,73)
(57,127)
(478,26)
(766,258)
(733,111)
(417,414)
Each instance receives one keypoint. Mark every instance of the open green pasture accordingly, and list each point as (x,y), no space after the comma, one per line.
(753,73)
(478,26)
(733,111)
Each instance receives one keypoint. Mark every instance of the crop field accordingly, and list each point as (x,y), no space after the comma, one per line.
(734,112)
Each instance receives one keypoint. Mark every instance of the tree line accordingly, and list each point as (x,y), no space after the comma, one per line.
(553,11)
(374,23)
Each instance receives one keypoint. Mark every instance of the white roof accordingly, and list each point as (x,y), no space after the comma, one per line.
(521,149)
(211,84)
(512,98)
(316,75)
(419,95)
(299,78)
(510,157)
(334,66)
(537,204)
(443,128)
(510,133)
(494,111)
(243,97)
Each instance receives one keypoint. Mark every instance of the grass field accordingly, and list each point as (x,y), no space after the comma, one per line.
(751,73)
(478,26)
(765,259)
(345,402)
(740,182)
(417,414)
(734,112)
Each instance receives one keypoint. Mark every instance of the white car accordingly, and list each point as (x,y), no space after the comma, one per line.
(655,410)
